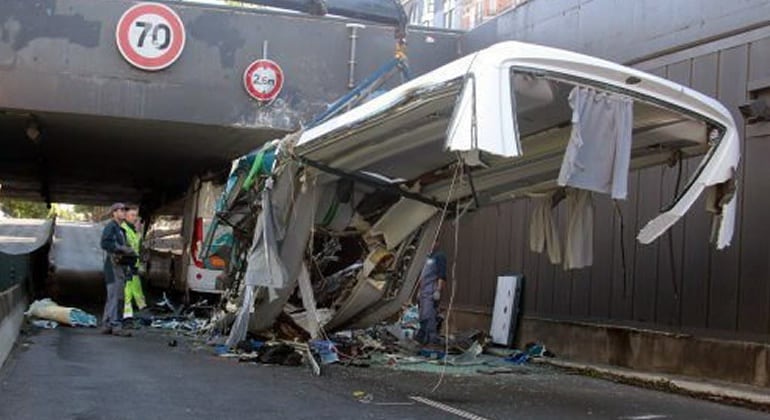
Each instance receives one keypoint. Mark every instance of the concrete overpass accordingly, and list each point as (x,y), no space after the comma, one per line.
(111,131)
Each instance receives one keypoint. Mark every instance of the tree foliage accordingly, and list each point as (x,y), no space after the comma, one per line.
(25,209)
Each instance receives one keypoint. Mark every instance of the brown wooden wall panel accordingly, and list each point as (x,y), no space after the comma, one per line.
(671,246)
(646,258)
(528,258)
(579,284)
(670,254)
(545,280)
(694,295)
(580,292)
(602,278)
(478,248)
(754,296)
(505,239)
(561,278)
(519,226)
(622,292)
(465,279)
(489,269)
(753,301)
(731,91)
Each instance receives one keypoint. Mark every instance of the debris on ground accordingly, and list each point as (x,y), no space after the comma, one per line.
(165,303)
(179,323)
(385,345)
(190,320)
(47,309)
(363,397)
(45,324)
(537,350)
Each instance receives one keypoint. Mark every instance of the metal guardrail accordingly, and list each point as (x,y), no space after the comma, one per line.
(14,269)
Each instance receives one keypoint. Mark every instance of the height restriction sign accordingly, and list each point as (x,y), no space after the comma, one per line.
(150,36)
(263,80)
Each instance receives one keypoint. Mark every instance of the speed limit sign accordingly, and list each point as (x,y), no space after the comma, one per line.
(150,36)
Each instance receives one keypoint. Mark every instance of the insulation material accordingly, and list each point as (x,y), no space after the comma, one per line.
(241,325)
(401,220)
(312,322)
(50,310)
(385,308)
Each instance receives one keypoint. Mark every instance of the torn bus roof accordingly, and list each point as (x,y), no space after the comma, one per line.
(466,106)
(358,201)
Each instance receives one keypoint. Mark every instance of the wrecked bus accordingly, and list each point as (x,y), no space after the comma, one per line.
(173,243)
(334,226)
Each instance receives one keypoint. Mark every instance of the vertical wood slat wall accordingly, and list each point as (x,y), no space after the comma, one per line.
(725,290)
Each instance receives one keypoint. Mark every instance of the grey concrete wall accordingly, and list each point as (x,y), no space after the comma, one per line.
(59,64)
(60,56)
(619,30)
(13,303)
(652,351)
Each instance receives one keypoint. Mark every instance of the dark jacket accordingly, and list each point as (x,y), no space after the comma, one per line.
(113,237)
(115,244)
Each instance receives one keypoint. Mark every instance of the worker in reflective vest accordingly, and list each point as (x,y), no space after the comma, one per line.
(133,290)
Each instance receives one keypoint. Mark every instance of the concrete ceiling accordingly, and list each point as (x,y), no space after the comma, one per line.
(96,159)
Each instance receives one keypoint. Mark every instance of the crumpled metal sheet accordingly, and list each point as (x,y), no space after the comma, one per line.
(292,250)
(265,268)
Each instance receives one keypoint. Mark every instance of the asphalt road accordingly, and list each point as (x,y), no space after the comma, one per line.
(78,262)
(79,374)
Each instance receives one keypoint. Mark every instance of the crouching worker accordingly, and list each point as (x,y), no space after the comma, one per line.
(133,291)
(432,280)
(117,266)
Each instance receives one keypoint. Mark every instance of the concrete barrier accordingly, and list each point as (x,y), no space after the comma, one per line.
(13,303)
(647,350)
(692,354)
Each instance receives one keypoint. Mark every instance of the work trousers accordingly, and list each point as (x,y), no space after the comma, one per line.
(133,295)
(428,333)
(112,317)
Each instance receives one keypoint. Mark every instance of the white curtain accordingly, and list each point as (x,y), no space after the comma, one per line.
(599,150)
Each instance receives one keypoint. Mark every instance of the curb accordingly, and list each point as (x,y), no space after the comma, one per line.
(689,387)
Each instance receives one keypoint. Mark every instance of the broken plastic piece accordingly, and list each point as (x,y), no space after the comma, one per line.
(45,324)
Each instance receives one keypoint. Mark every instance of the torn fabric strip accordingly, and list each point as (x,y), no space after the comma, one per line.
(543,234)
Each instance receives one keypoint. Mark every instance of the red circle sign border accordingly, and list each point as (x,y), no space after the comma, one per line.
(157,63)
(250,88)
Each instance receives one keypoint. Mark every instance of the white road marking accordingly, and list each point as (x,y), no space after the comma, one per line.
(449,409)
(644,417)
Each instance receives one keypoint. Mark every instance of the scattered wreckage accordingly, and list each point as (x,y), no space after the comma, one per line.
(331,225)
